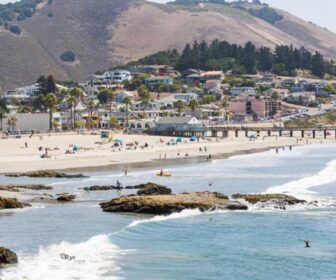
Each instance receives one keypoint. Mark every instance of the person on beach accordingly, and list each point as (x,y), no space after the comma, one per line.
(290,148)
(26,145)
(200,149)
(205,149)
(165,156)
(125,172)
(119,185)
(277,151)
(161,172)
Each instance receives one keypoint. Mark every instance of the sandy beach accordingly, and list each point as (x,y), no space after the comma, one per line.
(15,157)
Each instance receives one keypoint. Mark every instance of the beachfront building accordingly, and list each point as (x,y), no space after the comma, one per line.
(179,126)
(257,108)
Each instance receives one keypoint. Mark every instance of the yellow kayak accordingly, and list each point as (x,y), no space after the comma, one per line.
(164,174)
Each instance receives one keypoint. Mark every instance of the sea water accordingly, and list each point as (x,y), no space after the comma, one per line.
(262,243)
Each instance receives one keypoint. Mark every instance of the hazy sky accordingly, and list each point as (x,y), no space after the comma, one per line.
(321,12)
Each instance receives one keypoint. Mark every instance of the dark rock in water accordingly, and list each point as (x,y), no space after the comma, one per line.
(140,186)
(153,189)
(172,203)
(47,174)
(278,201)
(66,197)
(16,188)
(11,203)
(7,257)
(102,188)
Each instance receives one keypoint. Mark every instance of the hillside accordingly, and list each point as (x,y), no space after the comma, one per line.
(103,33)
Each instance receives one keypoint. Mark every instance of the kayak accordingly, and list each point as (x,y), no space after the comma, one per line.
(164,174)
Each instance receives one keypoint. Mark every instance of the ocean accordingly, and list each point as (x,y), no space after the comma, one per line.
(261,243)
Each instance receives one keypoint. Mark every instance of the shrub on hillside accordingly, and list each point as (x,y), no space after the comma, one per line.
(15,29)
(68,56)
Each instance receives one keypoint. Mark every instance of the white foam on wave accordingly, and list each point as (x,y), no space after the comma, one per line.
(301,187)
(94,260)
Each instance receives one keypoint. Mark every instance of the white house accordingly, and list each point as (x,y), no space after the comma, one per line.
(236,91)
(117,76)
(185,97)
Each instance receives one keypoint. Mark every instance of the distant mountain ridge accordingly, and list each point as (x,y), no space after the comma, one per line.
(103,33)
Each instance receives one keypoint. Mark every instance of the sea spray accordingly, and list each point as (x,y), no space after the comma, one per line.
(93,260)
(301,188)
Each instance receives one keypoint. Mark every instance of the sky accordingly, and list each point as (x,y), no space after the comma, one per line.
(320,12)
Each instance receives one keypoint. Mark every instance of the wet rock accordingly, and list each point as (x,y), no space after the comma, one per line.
(171,203)
(102,188)
(47,174)
(7,257)
(17,188)
(255,198)
(11,203)
(154,189)
(66,197)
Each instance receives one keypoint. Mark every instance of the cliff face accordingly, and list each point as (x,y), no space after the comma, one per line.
(103,33)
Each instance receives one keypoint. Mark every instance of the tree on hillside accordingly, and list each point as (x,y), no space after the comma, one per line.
(51,85)
(318,67)
(51,102)
(103,97)
(250,58)
(42,82)
(144,95)
(180,106)
(193,105)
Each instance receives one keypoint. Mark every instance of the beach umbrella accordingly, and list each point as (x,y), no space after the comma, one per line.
(193,139)
(117,141)
(178,140)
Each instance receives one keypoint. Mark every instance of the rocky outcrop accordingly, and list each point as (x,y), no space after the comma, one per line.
(7,257)
(65,197)
(154,189)
(11,203)
(279,201)
(167,204)
(16,188)
(47,174)
(102,188)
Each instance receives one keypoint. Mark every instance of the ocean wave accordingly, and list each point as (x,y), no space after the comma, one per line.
(301,187)
(94,260)
(188,213)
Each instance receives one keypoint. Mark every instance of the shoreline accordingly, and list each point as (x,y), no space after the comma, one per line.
(95,156)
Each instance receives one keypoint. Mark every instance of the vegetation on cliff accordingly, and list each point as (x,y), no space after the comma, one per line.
(221,55)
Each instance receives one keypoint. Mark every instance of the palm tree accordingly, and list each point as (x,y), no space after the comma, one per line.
(91,105)
(111,96)
(71,100)
(180,106)
(127,101)
(3,111)
(193,105)
(51,102)
(11,122)
(77,95)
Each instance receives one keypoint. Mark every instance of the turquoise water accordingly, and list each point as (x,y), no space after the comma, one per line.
(261,243)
